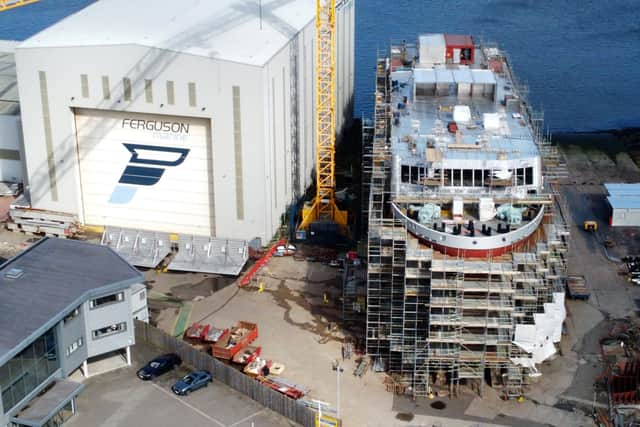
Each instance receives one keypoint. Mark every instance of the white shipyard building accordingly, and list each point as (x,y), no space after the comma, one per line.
(192,117)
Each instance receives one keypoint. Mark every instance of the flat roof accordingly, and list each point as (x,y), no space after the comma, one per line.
(41,408)
(513,138)
(623,189)
(423,75)
(624,202)
(432,39)
(233,30)
(9,100)
(462,75)
(458,40)
(483,77)
(56,274)
(444,75)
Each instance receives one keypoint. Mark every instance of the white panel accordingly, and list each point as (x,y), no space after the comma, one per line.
(165,187)
(10,136)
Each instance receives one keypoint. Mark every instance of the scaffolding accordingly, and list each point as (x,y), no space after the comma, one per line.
(381,231)
(354,293)
(435,321)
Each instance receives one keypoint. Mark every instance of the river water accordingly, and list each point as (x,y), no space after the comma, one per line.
(580,58)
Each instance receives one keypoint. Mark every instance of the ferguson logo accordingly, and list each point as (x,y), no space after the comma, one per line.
(135,175)
(155,125)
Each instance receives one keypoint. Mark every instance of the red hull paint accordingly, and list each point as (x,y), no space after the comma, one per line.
(473,253)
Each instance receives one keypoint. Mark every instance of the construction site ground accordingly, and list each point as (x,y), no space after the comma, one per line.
(301,329)
(298,328)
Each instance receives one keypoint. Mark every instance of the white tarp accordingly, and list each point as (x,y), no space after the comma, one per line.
(458,207)
(491,121)
(487,208)
(538,339)
(432,49)
(462,113)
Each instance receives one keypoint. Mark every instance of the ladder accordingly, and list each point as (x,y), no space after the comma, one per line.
(12,4)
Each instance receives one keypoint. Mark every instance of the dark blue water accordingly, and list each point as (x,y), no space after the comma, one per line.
(580,58)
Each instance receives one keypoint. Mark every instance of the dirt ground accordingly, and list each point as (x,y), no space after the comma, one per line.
(300,328)
(298,314)
(611,296)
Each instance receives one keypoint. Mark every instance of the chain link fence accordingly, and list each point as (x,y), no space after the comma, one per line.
(235,379)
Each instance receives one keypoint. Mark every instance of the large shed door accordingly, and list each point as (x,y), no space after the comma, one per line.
(144,171)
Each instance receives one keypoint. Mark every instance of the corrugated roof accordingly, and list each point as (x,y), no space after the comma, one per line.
(624,202)
(233,30)
(9,100)
(483,77)
(55,273)
(462,75)
(623,189)
(42,407)
(444,75)
(424,75)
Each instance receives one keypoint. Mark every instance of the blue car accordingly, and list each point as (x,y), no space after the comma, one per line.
(159,366)
(191,382)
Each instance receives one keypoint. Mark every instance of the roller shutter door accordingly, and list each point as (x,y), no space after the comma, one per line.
(143,171)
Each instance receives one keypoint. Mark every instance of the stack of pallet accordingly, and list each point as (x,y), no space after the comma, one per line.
(36,221)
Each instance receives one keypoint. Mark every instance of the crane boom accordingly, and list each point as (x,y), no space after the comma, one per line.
(323,207)
(11,4)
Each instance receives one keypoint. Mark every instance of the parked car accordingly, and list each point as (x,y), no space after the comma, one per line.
(192,382)
(159,366)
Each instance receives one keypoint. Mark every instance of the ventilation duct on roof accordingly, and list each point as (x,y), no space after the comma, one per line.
(14,273)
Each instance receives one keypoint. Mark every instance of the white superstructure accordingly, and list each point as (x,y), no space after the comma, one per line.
(182,117)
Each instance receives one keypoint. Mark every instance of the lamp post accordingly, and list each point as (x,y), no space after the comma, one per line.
(338,371)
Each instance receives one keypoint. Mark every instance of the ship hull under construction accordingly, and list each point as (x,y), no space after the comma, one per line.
(467,246)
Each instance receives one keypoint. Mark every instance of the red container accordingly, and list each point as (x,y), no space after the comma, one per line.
(196,332)
(234,340)
(460,45)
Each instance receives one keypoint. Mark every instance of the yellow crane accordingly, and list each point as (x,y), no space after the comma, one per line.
(11,4)
(323,207)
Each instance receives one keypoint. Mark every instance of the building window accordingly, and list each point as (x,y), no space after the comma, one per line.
(192,94)
(106,90)
(142,295)
(148,91)
(74,346)
(171,98)
(457,177)
(84,85)
(528,176)
(126,85)
(109,330)
(28,369)
(107,299)
(405,173)
(74,313)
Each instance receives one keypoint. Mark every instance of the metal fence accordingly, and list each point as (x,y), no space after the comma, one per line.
(235,379)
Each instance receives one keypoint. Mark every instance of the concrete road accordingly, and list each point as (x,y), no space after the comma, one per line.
(120,399)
